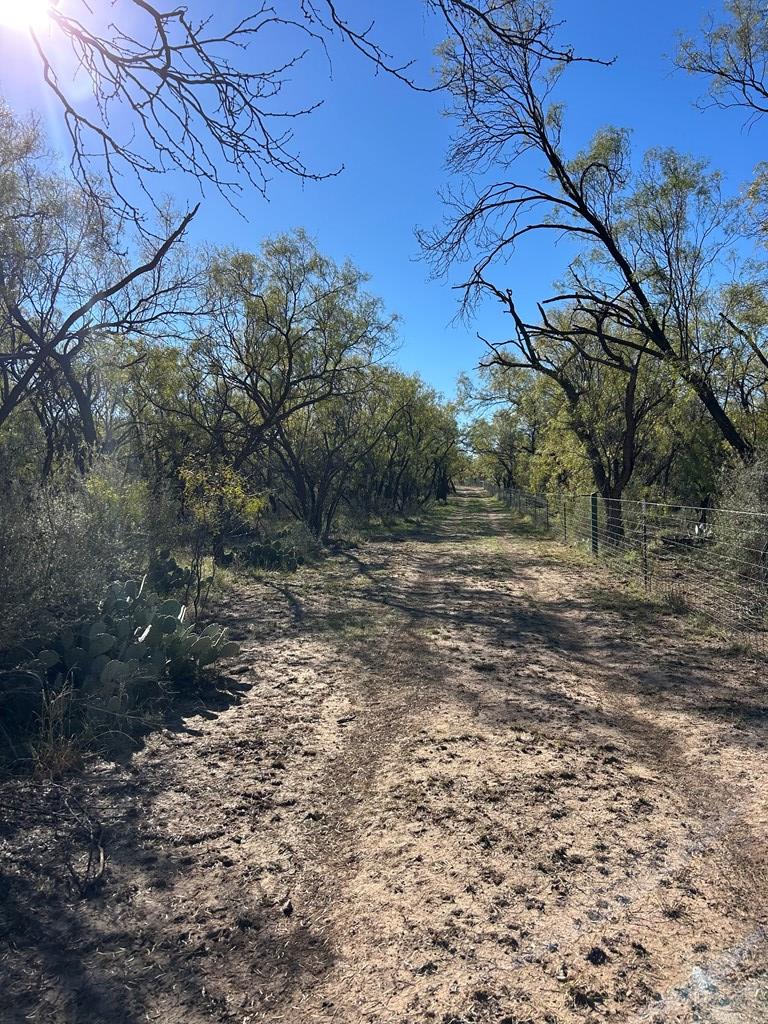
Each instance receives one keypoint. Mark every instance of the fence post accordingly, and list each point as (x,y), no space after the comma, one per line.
(564,510)
(546,512)
(594,522)
(646,574)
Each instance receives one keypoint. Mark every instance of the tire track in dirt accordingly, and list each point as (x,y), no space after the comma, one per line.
(452,778)
(397,973)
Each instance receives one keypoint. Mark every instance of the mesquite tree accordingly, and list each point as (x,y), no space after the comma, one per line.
(63,284)
(732,54)
(612,393)
(210,97)
(283,330)
(646,243)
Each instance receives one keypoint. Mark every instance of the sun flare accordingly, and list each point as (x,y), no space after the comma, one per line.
(24,14)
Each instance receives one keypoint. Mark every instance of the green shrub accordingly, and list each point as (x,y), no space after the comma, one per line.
(63,541)
(60,545)
(737,531)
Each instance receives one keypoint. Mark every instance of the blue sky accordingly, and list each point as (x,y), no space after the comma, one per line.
(392,143)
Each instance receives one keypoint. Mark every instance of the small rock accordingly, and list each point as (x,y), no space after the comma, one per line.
(287,908)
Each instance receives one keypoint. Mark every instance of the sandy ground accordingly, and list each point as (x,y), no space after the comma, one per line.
(454,776)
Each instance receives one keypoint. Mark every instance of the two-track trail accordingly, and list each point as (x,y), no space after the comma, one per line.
(455,777)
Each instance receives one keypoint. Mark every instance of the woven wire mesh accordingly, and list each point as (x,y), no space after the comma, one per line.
(713,560)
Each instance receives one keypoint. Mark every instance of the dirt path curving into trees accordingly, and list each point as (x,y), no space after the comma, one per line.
(454,777)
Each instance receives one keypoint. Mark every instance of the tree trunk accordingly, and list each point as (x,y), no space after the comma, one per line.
(725,424)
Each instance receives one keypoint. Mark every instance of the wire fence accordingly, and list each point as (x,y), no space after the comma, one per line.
(714,561)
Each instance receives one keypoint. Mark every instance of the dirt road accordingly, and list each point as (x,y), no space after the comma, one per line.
(454,777)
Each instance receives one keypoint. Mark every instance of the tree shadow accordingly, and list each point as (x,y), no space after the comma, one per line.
(192,924)
(83,961)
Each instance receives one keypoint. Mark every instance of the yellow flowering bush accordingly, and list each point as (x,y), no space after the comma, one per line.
(217,496)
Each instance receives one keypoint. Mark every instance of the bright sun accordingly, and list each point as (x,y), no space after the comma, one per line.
(24,14)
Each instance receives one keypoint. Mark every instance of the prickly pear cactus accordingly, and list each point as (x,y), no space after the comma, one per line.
(272,554)
(165,575)
(138,640)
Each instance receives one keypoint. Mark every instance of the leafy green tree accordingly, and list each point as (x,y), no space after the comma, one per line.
(732,54)
(647,244)
(390,447)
